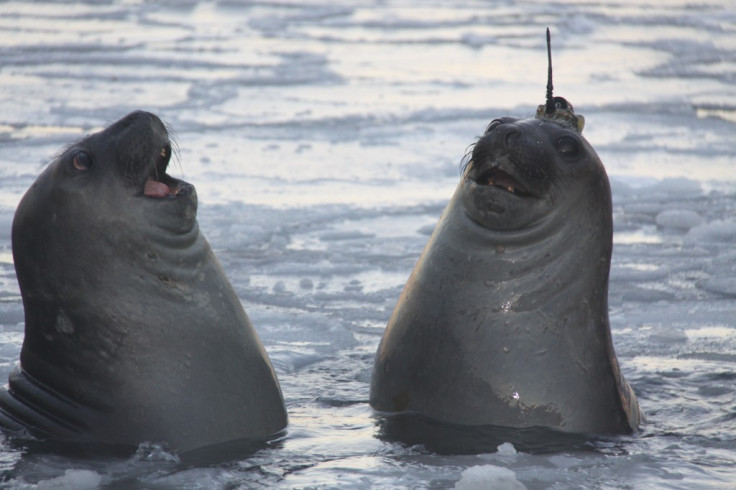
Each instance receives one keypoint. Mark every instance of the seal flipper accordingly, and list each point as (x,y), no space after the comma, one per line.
(29,407)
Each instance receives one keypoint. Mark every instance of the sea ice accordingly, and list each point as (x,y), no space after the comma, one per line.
(488,476)
(77,479)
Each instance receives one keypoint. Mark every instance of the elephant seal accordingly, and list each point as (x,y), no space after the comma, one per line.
(504,319)
(132,331)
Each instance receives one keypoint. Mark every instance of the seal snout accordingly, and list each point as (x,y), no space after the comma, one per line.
(145,151)
(512,156)
(492,164)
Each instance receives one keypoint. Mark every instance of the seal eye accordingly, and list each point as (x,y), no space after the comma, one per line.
(494,124)
(82,161)
(568,146)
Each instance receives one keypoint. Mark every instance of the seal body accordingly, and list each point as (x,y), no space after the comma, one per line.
(504,319)
(132,331)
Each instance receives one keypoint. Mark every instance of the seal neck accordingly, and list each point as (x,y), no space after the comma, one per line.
(553,247)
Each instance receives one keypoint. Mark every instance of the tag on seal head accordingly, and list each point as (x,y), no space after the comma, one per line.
(558,109)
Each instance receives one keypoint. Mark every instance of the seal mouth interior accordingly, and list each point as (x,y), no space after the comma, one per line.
(159,184)
(495,177)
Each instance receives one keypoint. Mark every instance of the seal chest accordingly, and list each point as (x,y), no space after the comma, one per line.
(132,331)
(504,319)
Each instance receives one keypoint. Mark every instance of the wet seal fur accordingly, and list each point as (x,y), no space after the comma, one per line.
(504,319)
(132,331)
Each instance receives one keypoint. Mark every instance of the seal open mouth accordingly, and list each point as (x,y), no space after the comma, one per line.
(496,177)
(159,184)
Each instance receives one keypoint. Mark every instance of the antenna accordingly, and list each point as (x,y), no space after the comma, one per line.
(557,109)
(550,104)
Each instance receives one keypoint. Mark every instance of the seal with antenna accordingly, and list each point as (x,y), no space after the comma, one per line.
(558,109)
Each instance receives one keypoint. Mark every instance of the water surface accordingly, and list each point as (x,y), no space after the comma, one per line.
(325,139)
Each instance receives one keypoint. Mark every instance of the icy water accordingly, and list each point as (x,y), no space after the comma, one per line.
(325,138)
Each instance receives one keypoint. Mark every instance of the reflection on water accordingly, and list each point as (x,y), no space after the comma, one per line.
(443,438)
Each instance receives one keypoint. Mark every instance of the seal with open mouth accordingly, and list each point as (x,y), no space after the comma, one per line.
(504,319)
(132,331)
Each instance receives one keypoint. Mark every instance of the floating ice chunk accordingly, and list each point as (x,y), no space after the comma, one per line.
(313,332)
(638,272)
(667,334)
(677,186)
(241,234)
(488,476)
(78,479)
(427,229)
(646,295)
(354,285)
(11,313)
(715,231)
(289,361)
(719,285)
(149,451)
(564,461)
(680,219)
(580,24)
(6,224)
(506,449)
(720,275)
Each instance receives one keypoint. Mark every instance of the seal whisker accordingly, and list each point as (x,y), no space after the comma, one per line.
(176,155)
(175,152)
(467,158)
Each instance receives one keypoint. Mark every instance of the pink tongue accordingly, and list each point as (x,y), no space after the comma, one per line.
(155,189)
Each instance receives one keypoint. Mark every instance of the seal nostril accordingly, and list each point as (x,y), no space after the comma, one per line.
(510,136)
